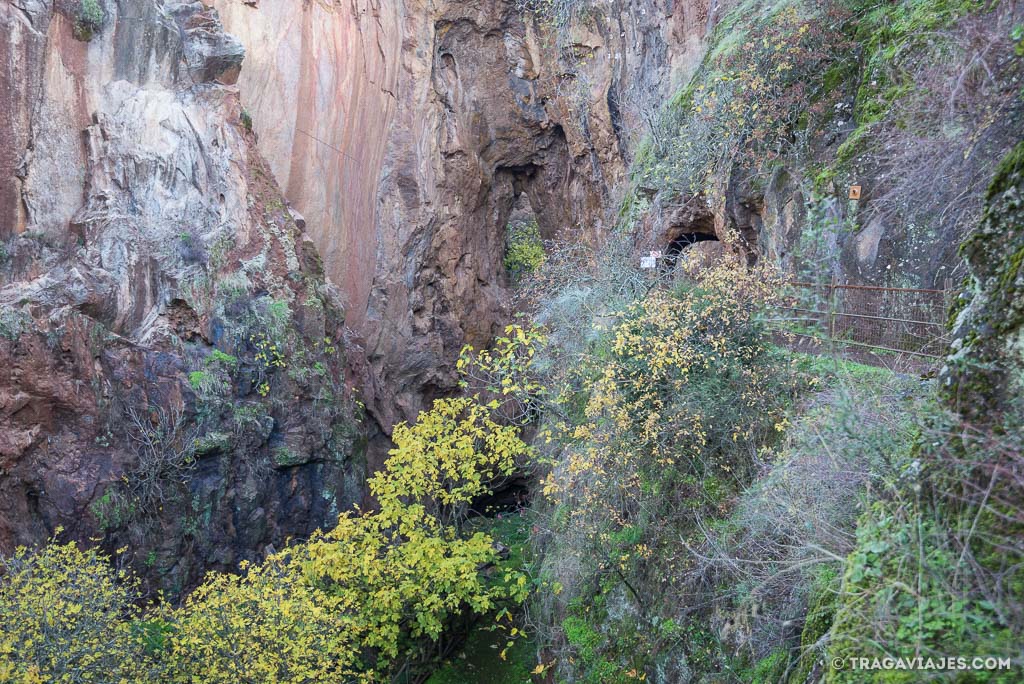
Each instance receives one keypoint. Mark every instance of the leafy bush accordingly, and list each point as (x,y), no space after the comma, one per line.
(682,392)
(346,605)
(451,456)
(379,581)
(506,373)
(524,249)
(65,616)
(89,19)
(665,359)
(270,624)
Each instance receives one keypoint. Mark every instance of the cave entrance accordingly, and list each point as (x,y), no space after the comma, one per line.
(704,247)
(678,245)
(690,230)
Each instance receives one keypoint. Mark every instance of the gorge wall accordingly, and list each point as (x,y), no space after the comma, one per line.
(409,132)
(171,371)
(211,233)
(427,123)
(165,317)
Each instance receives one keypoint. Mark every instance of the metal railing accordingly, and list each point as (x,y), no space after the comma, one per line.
(887,319)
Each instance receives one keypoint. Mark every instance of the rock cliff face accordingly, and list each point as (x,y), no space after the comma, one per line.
(425,125)
(320,84)
(983,373)
(165,317)
(409,132)
(170,366)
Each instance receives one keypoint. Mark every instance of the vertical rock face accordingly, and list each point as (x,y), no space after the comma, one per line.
(170,365)
(320,83)
(983,378)
(407,132)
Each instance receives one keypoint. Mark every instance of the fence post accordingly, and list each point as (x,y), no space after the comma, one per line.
(832,310)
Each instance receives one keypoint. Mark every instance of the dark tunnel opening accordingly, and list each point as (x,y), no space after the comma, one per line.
(675,247)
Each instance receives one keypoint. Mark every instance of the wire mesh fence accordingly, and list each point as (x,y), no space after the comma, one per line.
(881,324)
(885,319)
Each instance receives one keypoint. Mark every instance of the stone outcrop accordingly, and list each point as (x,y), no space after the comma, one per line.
(320,86)
(171,370)
(982,377)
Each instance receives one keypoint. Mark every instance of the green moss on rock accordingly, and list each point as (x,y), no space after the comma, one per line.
(991,315)
(821,611)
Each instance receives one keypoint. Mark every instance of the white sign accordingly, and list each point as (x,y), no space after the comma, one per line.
(648,262)
(656,254)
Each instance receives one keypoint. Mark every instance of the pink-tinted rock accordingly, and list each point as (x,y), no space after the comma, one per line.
(407,132)
(161,310)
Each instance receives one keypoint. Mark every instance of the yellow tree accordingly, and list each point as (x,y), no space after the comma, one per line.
(343,606)
(452,455)
(65,616)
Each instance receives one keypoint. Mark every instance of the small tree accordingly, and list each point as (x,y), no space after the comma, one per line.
(506,373)
(452,455)
(350,602)
(64,616)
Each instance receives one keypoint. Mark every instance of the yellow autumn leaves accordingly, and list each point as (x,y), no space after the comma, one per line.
(344,606)
(649,409)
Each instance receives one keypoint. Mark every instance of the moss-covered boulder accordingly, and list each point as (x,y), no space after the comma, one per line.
(983,375)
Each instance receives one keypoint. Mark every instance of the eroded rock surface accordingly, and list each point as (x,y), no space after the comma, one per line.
(420,128)
(982,377)
(171,371)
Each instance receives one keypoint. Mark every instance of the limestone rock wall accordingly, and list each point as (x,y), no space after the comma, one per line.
(171,371)
(426,122)
(320,86)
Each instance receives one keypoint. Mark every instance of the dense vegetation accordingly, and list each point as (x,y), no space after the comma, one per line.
(341,606)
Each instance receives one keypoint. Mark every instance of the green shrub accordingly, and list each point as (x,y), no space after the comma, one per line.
(524,249)
(112,510)
(89,19)
(217,356)
(682,391)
